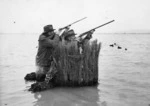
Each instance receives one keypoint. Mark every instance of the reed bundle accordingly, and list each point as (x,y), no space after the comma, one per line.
(75,68)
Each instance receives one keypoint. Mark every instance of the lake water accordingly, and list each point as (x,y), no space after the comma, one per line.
(124,76)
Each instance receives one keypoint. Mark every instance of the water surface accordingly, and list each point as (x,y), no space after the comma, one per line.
(124,76)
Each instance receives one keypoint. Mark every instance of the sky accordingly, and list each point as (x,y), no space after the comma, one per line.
(30,16)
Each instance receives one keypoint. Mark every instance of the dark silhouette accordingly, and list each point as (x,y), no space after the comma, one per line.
(30,77)
(111,45)
(119,47)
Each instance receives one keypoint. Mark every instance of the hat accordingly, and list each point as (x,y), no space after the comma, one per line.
(70,33)
(48,28)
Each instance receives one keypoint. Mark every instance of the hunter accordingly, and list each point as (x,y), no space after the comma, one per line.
(48,41)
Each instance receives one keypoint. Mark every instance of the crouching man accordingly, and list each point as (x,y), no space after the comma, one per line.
(48,41)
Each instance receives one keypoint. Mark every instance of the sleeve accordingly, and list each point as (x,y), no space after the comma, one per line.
(48,42)
(88,36)
(64,32)
(42,37)
(59,32)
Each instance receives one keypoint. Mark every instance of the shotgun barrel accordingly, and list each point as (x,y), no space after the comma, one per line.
(95,28)
(73,23)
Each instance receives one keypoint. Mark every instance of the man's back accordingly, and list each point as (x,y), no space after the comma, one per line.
(43,57)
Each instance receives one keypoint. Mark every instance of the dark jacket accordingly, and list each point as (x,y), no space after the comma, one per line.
(45,49)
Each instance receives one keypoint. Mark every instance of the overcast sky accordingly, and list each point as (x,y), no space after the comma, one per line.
(29,16)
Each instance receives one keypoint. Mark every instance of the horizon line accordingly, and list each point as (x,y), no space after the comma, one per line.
(95,33)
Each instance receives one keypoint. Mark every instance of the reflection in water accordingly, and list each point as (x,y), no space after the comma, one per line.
(83,96)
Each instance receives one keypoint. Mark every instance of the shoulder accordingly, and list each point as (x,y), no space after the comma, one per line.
(42,37)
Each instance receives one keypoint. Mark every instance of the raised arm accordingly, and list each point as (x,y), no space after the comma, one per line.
(45,41)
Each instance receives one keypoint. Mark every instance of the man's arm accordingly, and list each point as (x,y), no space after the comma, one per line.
(49,42)
(64,31)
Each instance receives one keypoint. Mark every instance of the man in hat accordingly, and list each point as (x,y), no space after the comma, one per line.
(48,41)
(69,36)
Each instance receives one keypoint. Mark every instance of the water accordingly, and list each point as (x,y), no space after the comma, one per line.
(124,76)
